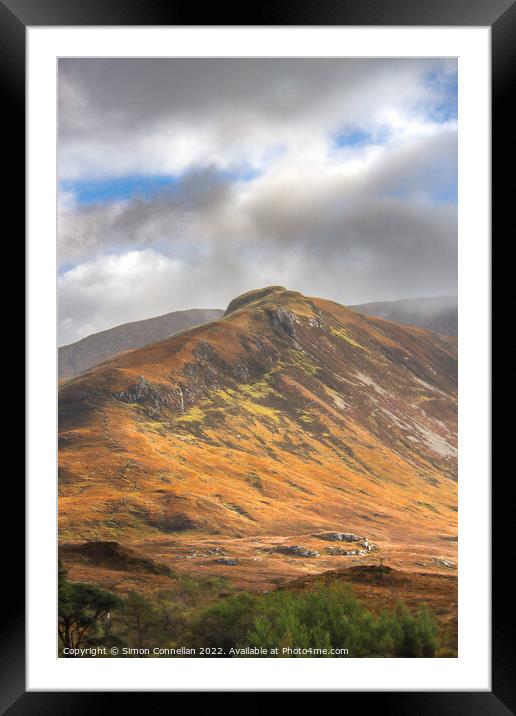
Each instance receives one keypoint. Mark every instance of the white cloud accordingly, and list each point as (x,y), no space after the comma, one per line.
(165,116)
(114,288)
(373,220)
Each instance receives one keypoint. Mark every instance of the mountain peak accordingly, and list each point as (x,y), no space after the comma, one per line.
(246,299)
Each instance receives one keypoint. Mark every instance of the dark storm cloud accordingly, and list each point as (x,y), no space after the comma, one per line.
(132,93)
(139,221)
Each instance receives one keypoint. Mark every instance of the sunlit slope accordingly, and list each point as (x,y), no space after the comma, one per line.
(78,357)
(287,415)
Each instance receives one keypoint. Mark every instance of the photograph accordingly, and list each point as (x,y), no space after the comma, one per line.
(257,351)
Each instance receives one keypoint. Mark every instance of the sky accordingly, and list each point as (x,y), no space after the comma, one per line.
(186,182)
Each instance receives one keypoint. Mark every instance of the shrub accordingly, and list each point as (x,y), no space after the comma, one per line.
(204,613)
(330,617)
(223,625)
(415,634)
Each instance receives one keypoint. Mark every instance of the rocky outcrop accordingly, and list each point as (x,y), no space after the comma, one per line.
(283,320)
(241,373)
(296,551)
(447,563)
(369,546)
(145,393)
(340,537)
(366,545)
(341,552)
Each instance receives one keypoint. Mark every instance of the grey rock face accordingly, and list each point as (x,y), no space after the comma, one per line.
(155,397)
(283,320)
(241,373)
(447,563)
(341,552)
(340,537)
(364,543)
(297,551)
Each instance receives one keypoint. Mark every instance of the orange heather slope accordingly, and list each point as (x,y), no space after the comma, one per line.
(289,417)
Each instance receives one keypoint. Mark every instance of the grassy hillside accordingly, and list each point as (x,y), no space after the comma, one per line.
(223,448)
(78,357)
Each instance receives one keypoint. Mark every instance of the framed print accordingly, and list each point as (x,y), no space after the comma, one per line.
(258,356)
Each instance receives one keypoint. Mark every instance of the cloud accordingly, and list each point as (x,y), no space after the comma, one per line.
(288,234)
(184,212)
(94,292)
(333,177)
(114,289)
(119,116)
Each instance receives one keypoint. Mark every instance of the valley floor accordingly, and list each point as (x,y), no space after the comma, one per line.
(250,562)
(419,574)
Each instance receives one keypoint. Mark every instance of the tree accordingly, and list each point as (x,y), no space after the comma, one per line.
(415,634)
(427,627)
(139,616)
(81,608)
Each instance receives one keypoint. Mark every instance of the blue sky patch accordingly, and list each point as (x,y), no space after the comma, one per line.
(142,186)
(118,188)
(445,87)
(354,137)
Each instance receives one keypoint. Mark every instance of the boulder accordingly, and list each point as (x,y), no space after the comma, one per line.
(341,552)
(297,551)
(341,537)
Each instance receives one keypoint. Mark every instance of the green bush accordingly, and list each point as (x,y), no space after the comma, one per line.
(329,617)
(203,613)
(224,625)
(415,634)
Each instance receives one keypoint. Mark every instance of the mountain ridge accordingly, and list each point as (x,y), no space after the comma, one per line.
(75,358)
(439,314)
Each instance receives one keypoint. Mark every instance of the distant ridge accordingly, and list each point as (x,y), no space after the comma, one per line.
(78,357)
(437,314)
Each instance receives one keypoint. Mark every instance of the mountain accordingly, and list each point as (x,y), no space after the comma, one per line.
(437,314)
(78,357)
(290,436)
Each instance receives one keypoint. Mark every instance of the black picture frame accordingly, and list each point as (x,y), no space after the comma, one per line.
(500,15)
